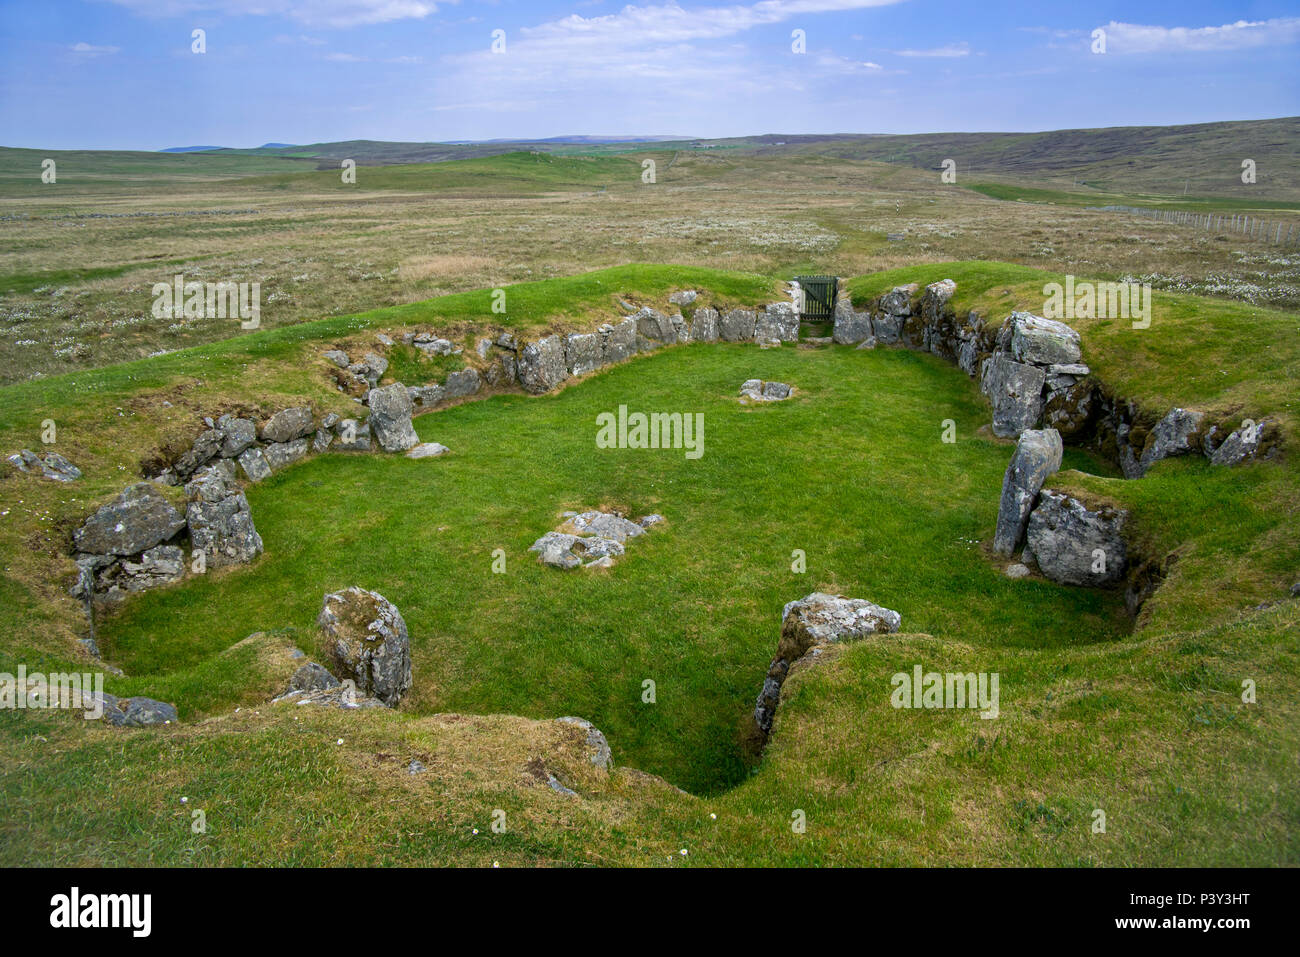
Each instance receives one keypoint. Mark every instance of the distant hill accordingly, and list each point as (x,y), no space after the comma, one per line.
(191,149)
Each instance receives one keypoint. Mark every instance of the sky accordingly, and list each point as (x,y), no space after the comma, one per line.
(124,74)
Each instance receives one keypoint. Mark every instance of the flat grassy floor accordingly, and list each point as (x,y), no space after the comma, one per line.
(852,471)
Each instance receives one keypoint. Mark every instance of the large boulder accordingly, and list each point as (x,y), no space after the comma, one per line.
(1040,341)
(704,325)
(137,519)
(1037,456)
(582,353)
(819,617)
(541,365)
(288,424)
(221,524)
(253,462)
(617,342)
(779,321)
(737,325)
(390,418)
(850,327)
(206,447)
(1176,434)
(814,620)
(898,301)
(279,455)
(237,435)
(368,642)
(1076,545)
(887,328)
(462,383)
(1016,391)
(653,329)
(1241,445)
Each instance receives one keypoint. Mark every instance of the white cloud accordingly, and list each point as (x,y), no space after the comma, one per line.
(89,49)
(1242,35)
(951,50)
(345,58)
(324,13)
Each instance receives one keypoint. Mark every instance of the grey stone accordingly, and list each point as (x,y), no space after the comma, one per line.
(312,677)
(437,347)
(288,424)
(463,383)
(138,712)
(867,343)
(683,298)
(237,435)
(322,440)
(1172,435)
(1016,392)
(137,519)
(898,301)
(811,621)
(221,525)
(54,466)
(1017,570)
(605,525)
(1074,545)
(888,328)
(779,321)
(541,365)
(820,617)
(206,447)
(653,329)
(483,347)
(850,327)
(1043,342)
(507,341)
(651,520)
(338,357)
(582,353)
(280,454)
(597,747)
(618,342)
(427,396)
(353,436)
(390,418)
(160,565)
(368,642)
(1240,446)
(704,325)
(756,390)
(254,464)
(427,450)
(737,325)
(1037,456)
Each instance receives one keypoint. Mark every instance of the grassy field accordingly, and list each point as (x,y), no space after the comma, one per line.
(1146,725)
(78,258)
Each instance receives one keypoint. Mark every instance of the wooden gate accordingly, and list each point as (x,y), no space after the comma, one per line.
(818,297)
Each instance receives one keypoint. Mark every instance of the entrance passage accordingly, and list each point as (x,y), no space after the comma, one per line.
(817,297)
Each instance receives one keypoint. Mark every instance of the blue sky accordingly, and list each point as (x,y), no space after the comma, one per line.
(121,74)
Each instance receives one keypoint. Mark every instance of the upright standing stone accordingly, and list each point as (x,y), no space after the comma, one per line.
(1037,456)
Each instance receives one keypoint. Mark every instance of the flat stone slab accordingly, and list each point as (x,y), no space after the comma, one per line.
(427,450)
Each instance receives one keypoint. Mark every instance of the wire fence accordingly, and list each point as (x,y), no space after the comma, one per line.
(1250,227)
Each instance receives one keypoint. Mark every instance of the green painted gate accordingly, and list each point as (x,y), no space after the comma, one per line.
(818,297)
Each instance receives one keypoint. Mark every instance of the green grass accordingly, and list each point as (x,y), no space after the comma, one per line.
(693,606)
